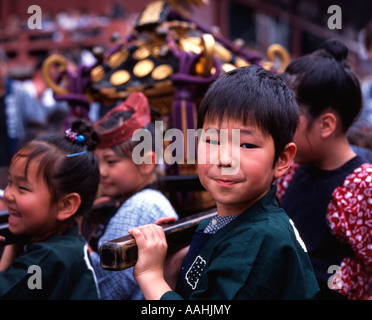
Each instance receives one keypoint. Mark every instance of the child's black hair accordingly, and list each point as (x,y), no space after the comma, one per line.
(323,80)
(253,95)
(67,166)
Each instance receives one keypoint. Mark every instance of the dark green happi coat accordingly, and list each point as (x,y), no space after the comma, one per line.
(259,255)
(55,268)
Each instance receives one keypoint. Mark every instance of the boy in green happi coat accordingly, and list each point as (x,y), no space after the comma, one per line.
(251,250)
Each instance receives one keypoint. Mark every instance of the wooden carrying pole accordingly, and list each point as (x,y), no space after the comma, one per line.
(122,253)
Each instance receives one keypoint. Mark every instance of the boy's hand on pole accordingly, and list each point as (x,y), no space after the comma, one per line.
(149,269)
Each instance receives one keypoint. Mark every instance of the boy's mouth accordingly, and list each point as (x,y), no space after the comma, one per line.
(225,183)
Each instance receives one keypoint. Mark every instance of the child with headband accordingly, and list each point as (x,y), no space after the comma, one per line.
(126,178)
(52,181)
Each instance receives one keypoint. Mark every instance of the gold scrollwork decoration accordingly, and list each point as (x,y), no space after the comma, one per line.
(49,63)
(206,63)
(278,50)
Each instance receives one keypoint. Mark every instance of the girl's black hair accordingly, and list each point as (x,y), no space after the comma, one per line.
(323,80)
(67,166)
(253,95)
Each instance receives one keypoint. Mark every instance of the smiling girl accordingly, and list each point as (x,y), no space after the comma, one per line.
(52,181)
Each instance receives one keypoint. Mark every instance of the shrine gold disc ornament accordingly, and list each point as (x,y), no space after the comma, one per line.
(161,72)
(141,53)
(143,68)
(119,77)
(117,58)
(97,74)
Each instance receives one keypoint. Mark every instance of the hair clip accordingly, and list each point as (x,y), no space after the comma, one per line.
(73,136)
(75,154)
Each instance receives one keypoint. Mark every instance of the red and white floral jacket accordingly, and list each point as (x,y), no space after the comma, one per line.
(349,216)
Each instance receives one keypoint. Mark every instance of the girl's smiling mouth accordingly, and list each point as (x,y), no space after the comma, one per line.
(14,216)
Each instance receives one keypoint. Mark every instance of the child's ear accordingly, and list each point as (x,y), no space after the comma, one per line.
(149,164)
(285,159)
(68,205)
(328,123)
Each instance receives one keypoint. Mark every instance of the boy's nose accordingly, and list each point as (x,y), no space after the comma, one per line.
(228,154)
(229,158)
(231,162)
(224,160)
(229,148)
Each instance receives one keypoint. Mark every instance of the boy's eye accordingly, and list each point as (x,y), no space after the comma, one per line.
(248,146)
(211,141)
(23,188)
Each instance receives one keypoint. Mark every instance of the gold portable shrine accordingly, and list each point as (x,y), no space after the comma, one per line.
(152,59)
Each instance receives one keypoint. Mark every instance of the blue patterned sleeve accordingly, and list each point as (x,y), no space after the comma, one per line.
(145,207)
